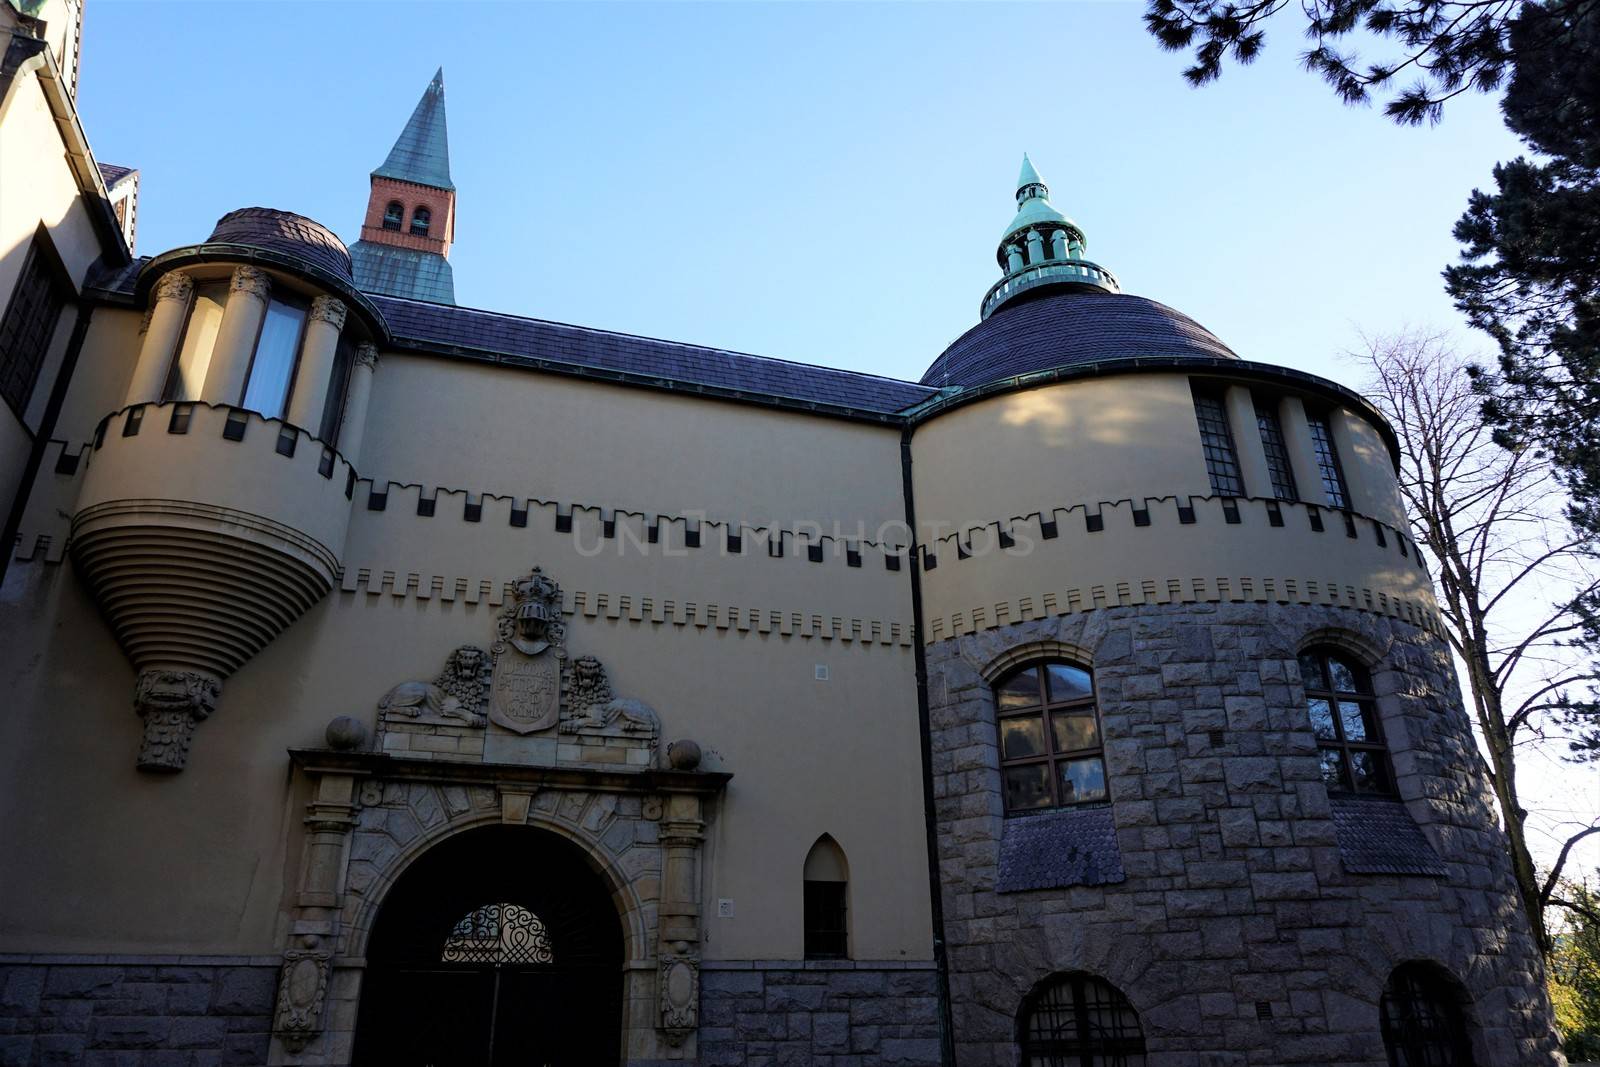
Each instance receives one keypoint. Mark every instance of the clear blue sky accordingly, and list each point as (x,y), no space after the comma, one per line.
(817,182)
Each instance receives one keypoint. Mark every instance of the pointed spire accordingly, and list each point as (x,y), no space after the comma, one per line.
(1029,176)
(422,153)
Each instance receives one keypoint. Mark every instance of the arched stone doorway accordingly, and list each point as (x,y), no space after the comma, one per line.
(498,946)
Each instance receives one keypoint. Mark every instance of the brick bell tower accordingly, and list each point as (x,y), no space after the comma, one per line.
(405,240)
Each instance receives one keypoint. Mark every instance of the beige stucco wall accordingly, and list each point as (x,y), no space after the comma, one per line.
(37,187)
(199,861)
(1105,447)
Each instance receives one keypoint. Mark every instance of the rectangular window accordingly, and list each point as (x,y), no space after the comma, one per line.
(1278,467)
(277,349)
(29,323)
(1328,461)
(1050,748)
(1222,461)
(344,357)
(826,937)
(188,374)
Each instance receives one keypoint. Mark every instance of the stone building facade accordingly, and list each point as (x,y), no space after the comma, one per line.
(1083,701)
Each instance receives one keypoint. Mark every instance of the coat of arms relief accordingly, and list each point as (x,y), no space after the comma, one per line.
(527,684)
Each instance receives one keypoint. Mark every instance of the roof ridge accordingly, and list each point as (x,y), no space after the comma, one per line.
(656,340)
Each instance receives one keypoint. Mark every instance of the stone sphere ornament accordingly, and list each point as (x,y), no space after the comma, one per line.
(684,755)
(346,734)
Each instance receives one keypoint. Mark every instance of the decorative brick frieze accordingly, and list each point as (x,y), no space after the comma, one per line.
(1236,892)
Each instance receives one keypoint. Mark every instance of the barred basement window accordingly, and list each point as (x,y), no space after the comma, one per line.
(827,884)
(1421,1019)
(1078,1020)
(26,329)
(1328,461)
(1051,754)
(1222,460)
(393,215)
(1272,443)
(1344,717)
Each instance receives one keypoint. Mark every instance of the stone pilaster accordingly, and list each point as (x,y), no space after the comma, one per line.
(678,973)
(248,292)
(169,309)
(355,409)
(309,397)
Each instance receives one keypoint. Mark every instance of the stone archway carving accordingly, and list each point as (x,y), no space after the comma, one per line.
(372,816)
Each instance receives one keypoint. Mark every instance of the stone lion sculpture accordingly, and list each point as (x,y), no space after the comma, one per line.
(460,692)
(594,708)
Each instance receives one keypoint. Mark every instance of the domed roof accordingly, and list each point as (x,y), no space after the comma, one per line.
(286,233)
(1062,328)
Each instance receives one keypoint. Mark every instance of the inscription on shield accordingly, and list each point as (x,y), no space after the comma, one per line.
(526,695)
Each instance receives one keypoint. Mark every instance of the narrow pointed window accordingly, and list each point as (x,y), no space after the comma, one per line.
(421,219)
(827,883)
(393,215)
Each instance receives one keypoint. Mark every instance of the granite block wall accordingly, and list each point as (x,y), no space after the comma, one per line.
(788,1014)
(144,1011)
(1236,928)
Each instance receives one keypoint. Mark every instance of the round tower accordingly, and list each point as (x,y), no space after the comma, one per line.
(1199,756)
(214,508)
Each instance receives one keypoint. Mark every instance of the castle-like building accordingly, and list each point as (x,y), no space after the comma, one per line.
(398,683)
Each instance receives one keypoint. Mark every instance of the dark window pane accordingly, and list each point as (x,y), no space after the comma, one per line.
(1027,786)
(1311,671)
(1216,441)
(1354,720)
(272,370)
(1344,676)
(1075,730)
(1082,780)
(1333,767)
(1021,737)
(338,383)
(1328,461)
(1067,682)
(826,933)
(1020,690)
(1366,768)
(26,329)
(1321,718)
(1278,466)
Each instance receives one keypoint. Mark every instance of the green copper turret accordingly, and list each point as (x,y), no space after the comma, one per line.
(1042,248)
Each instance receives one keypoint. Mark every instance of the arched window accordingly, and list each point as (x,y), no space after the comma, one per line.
(1422,1020)
(827,883)
(1077,1020)
(1344,716)
(498,934)
(421,219)
(1051,754)
(393,215)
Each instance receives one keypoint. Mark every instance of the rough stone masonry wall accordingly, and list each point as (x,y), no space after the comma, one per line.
(1234,894)
(135,1011)
(827,1014)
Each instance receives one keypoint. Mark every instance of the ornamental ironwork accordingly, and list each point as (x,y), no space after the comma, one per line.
(499,935)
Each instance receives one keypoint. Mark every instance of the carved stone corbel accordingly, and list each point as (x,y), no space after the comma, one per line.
(330,310)
(170,703)
(302,991)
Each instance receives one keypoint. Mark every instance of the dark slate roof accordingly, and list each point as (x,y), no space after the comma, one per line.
(286,233)
(111,174)
(1076,846)
(433,325)
(385,270)
(422,154)
(120,279)
(1060,329)
(1378,836)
